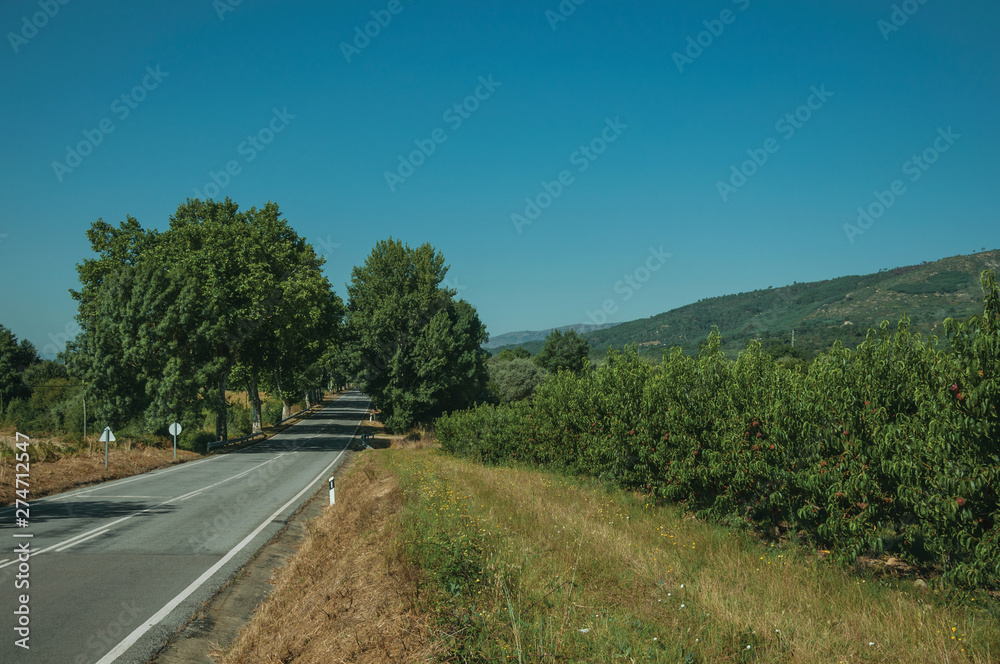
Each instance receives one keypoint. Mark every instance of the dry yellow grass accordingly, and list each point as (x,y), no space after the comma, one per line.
(55,475)
(346,596)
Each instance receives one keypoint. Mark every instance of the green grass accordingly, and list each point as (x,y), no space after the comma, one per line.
(525,566)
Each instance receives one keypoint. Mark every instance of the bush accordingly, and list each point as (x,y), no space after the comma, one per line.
(194,441)
(270,412)
(239,420)
(514,379)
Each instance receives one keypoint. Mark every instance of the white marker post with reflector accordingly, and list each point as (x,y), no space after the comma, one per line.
(332,492)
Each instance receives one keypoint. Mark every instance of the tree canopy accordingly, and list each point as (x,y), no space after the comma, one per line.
(168,316)
(416,349)
(15,358)
(567,351)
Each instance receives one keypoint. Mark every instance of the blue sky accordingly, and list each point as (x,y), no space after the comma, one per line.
(626,124)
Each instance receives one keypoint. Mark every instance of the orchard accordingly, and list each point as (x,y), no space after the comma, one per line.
(891,447)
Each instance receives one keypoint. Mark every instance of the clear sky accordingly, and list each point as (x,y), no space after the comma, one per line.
(662,152)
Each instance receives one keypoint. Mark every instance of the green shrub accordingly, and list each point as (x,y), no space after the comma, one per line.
(514,379)
(270,412)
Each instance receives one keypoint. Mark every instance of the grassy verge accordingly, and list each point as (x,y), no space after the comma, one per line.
(430,556)
(529,566)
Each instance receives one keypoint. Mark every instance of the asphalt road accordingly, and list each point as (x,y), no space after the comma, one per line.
(114,570)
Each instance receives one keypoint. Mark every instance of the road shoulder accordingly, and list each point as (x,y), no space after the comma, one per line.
(217,623)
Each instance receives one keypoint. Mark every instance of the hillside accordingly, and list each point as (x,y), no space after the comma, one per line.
(527,336)
(819,312)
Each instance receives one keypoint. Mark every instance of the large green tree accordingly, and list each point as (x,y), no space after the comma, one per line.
(416,348)
(168,317)
(15,358)
(567,351)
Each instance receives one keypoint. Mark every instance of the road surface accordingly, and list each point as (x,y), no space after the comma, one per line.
(113,570)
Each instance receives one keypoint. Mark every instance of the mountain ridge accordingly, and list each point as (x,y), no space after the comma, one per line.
(819,312)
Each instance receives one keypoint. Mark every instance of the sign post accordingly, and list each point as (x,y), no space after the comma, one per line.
(332,496)
(175,430)
(106,437)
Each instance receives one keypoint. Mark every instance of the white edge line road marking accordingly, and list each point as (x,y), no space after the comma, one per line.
(152,621)
(99,532)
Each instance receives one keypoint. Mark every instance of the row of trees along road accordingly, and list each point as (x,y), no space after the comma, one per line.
(170,318)
(227,297)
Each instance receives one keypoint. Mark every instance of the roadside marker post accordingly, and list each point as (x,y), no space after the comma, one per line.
(332,496)
(106,437)
(175,430)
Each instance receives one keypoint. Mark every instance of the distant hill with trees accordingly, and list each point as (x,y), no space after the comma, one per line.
(820,312)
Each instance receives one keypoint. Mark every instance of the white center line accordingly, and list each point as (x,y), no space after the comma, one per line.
(154,473)
(143,497)
(100,532)
(192,495)
(126,518)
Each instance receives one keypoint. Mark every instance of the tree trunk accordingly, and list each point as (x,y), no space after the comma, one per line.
(221,425)
(309,403)
(254,403)
(286,405)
